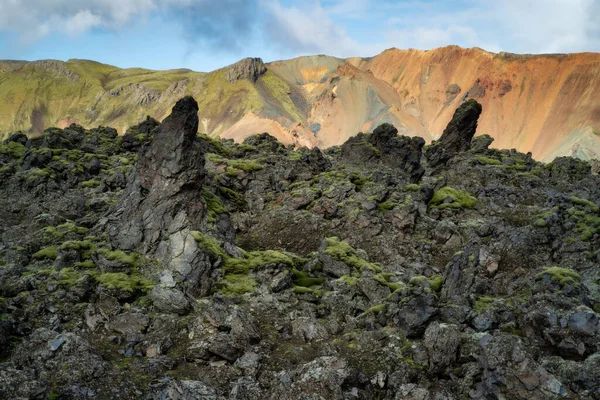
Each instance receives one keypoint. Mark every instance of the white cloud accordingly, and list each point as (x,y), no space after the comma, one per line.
(549,26)
(82,21)
(309,29)
(530,26)
(336,27)
(428,38)
(34,19)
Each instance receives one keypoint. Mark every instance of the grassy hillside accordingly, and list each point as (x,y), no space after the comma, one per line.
(546,104)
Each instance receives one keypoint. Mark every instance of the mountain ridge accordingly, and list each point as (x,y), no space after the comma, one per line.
(545,104)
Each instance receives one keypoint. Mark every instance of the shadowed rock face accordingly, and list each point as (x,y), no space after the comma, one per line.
(458,134)
(384,147)
(248,68)
(162,203)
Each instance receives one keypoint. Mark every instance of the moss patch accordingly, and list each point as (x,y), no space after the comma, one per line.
(460,199)
(130,259)
(387,205)
(49,253)
(13,149)
(245,165)
(411,187)
(69,277)
(488,161)
(209,245)
(585,203)
(236,284)
(122,281)
(560,275)
(258,259)
(302,279)
(342,251)
(214,205)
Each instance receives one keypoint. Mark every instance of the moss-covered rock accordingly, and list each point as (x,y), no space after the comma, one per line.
(448,197)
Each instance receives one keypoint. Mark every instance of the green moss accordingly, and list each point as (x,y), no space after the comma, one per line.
(47,253)
(257,260)
(358,180)
(350,280)
(239,200)
(436,282)
(215,158)
(302,290)
(411,187)
(488,161)
(483,303)
(377,309)
(587,224)
(296,155)
(209,245)
(216,143)
(58,232)
(246,147)
(236,284)
(214,206)
(560,275)
(387,205)
(232,172)
(85,264)
(315,290)
(342,251)
(13,149)
(384,279)
(302,279)
(528,175)
(460,199)
(352,215)
(122,281)
(35,173)
(585,203)
(77,245)
(540,220)
(68,277)
(130,259)
(245,165)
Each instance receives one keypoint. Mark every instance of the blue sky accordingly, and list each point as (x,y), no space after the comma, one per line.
(205,34)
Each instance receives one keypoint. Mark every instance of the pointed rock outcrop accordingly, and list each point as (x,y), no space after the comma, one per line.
(384,147)
(248,68)
(457,136)
(162,203)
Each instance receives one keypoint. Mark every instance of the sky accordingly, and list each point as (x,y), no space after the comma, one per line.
(204,35)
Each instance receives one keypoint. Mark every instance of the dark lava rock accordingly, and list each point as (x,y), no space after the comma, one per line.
(385,147)
(161,201)
(457,136)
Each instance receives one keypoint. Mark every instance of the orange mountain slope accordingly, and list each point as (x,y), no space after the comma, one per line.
(546,104)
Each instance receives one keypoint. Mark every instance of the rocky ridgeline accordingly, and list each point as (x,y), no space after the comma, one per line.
(168,265)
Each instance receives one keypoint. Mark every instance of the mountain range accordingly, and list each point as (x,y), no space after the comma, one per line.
(548,105)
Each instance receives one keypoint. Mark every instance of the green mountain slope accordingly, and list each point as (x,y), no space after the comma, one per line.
(546,104)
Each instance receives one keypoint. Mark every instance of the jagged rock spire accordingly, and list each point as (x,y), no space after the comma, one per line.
(162,204)
(458,134)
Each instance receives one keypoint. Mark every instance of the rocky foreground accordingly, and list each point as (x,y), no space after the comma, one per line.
(168,265)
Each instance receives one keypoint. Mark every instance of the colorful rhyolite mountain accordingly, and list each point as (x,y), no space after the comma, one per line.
(546,104)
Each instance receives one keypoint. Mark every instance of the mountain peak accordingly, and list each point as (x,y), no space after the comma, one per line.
(248,68)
